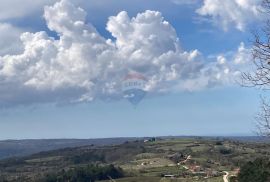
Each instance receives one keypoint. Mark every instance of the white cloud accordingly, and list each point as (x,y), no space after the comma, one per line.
(243,55)
(237,13)
(10,42)
(83,66)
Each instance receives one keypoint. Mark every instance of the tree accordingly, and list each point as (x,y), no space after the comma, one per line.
(260,76)
(263,119)
(86,174)
(256,171)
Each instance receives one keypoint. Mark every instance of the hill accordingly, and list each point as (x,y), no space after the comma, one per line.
(16,148)
(179,159)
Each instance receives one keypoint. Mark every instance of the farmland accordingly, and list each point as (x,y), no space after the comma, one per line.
(158,159)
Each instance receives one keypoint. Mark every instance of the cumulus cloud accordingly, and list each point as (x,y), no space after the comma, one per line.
(221,70)
(237,13)
(10,39)
(82,66)
(243,55)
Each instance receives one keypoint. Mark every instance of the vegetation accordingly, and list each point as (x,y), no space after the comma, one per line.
(225,150)
(259,76)
(185,159)
(86,174)
(258,170)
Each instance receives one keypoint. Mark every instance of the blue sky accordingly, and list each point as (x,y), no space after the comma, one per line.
(200,99)
(221,112)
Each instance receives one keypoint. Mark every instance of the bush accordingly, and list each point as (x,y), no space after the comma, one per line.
(225,151)
(87,158)
(219,143)
(256,171)
(233,179)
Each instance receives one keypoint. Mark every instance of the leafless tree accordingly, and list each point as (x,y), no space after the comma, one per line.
(263,119)
(260,75)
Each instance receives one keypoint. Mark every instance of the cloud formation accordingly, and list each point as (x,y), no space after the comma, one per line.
(236,13)
(10,39)
(82,66)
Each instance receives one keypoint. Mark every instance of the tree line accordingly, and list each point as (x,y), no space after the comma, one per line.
(90,173)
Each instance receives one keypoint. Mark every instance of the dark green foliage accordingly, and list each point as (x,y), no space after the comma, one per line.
(233,179)
(177,157)
(152,140)
(219,143)
(86,174)
(256,171)
(225,151)
(88,157)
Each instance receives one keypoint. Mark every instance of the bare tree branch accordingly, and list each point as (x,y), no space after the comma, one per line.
(263,119)
(260,76)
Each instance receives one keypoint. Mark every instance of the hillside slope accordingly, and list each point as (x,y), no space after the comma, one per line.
(15,148)
(184,159)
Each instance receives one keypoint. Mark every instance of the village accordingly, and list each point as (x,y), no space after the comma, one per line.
(187,167)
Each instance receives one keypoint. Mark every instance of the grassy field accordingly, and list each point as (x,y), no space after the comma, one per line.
(143,161)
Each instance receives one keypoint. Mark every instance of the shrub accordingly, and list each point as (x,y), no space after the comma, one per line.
(256,171)
(225,151)
(219,143)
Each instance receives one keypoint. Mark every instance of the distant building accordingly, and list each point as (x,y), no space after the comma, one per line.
(169,176)
(150,140)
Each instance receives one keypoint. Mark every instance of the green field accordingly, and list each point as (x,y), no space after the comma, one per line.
(187,159)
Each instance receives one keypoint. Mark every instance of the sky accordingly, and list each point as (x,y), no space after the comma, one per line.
(65,66)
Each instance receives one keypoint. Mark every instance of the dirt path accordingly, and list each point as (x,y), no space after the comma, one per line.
(225,177)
